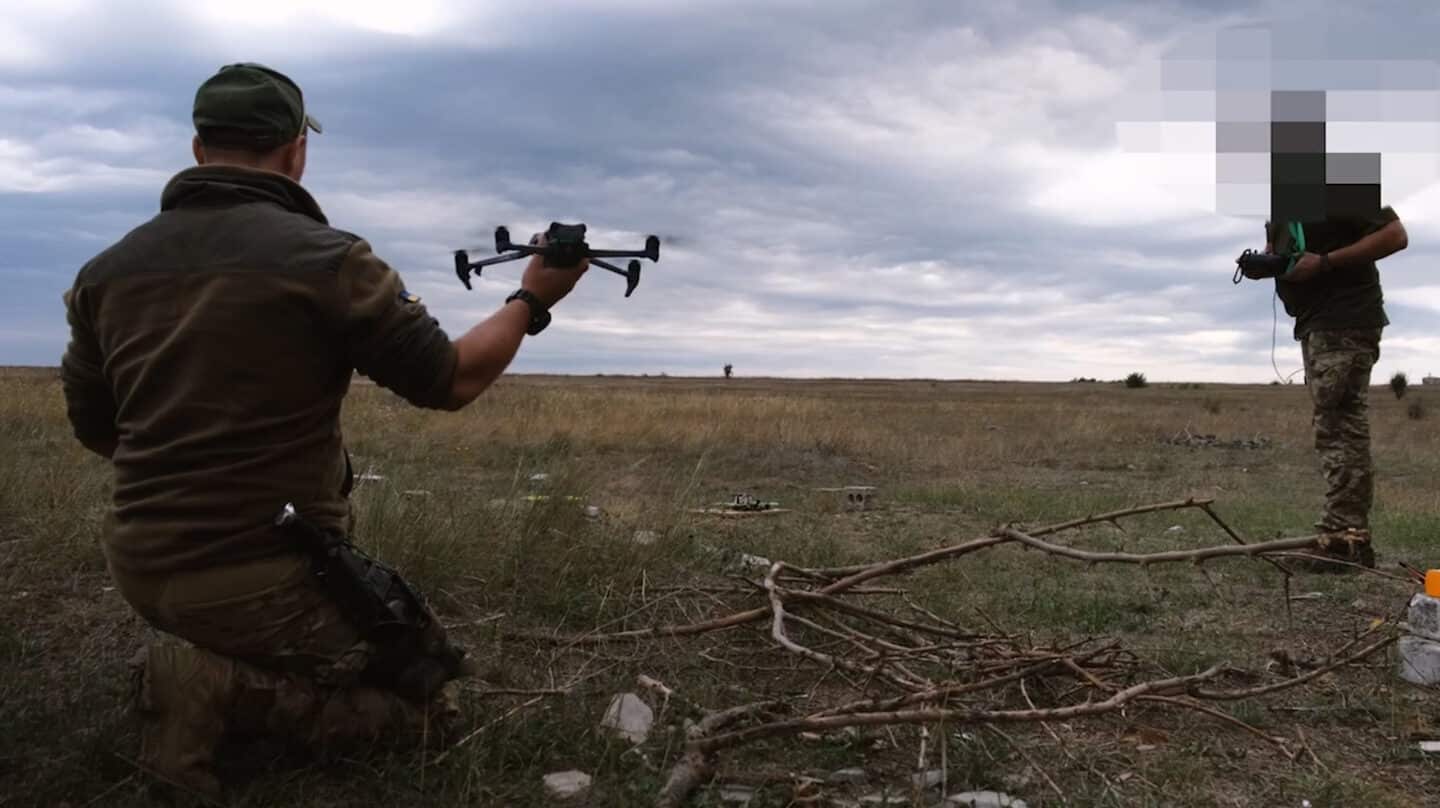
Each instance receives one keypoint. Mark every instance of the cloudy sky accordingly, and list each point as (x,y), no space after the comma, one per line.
(904,188)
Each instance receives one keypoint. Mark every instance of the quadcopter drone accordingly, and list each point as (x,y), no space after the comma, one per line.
(564,247)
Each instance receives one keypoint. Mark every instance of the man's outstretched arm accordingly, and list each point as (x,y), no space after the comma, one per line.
(393,339)
(486,351)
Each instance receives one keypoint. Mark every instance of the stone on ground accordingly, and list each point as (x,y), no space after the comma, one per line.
(566,785)
(984,799)
(629,717)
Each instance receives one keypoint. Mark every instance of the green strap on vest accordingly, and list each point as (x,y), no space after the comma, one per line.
(1297,245)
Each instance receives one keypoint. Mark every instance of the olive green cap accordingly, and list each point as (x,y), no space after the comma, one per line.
(254,101)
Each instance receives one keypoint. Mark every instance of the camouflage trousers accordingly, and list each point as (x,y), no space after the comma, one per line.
(1337,371)
(270,654)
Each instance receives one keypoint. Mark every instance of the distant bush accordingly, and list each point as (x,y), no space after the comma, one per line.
(1275,383)
(1398,384)
(1136,380)
(1416,410)
(1083,380)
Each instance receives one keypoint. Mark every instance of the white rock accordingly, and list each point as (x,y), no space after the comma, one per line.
(1175,529)
(1419,661)
(984,799)
(848,777)
(1430,746)
(592,511)
(884,799)
(928,779)
(565,785)
(1419,655)
(737,794)
(761,562)
(629,717)
(1424,615)
(645,538)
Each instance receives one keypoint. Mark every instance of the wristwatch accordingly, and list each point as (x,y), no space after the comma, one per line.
(539,314)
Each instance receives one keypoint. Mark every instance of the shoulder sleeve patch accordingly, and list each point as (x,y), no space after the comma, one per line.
(406,297)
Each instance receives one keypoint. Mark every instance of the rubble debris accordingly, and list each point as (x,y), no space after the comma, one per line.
(742,505)
(984,799)
(854,497)
(629,717)
(854,776)
(934,778)
(566,785)
(737,794)
(1192,440)
(755,561)
(1420,648)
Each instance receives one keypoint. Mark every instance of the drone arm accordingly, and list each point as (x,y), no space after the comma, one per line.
(499,259)
(631,275)
(606,265)
(618,254)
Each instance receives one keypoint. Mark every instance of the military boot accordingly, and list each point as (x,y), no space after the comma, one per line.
(1351,547)
(182,699)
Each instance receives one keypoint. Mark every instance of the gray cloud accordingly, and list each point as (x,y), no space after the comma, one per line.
(916,188)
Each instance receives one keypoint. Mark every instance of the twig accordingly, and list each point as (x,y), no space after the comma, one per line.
(1168,556)
(1064,747)
(1112,516)
(697,765)
(777,631)
(205,798)
(441,759)
(496,692)
(1342,563)
(1227,718)
(1059,792)
(1251,692)
(113,786)
(1115,702)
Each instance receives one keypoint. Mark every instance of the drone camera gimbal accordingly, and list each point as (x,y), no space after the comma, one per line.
(564,246)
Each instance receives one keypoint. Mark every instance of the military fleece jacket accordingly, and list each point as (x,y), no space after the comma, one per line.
(212,347)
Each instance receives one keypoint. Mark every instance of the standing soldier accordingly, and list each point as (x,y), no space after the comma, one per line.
(210,351)
(1333,292)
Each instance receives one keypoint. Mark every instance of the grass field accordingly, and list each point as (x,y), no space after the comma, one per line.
(951,461)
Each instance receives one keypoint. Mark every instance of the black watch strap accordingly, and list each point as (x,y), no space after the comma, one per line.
(539,313)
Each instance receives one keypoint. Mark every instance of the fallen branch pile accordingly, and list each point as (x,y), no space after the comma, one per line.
(915,667)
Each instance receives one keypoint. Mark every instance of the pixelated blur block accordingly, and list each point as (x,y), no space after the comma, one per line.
(1303,95)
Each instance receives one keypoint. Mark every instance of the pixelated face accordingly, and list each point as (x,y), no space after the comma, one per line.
(1299,128)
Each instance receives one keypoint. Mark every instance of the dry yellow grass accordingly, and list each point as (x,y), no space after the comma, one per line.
(952,460)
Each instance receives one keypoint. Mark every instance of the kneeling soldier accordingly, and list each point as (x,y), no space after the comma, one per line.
(210,351)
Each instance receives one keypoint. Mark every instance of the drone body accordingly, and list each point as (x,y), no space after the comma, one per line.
(564,246)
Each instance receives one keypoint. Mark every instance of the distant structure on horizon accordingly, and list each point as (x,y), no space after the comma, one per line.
(1430,380)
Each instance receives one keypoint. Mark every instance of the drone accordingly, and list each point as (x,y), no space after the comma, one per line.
(564,247)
